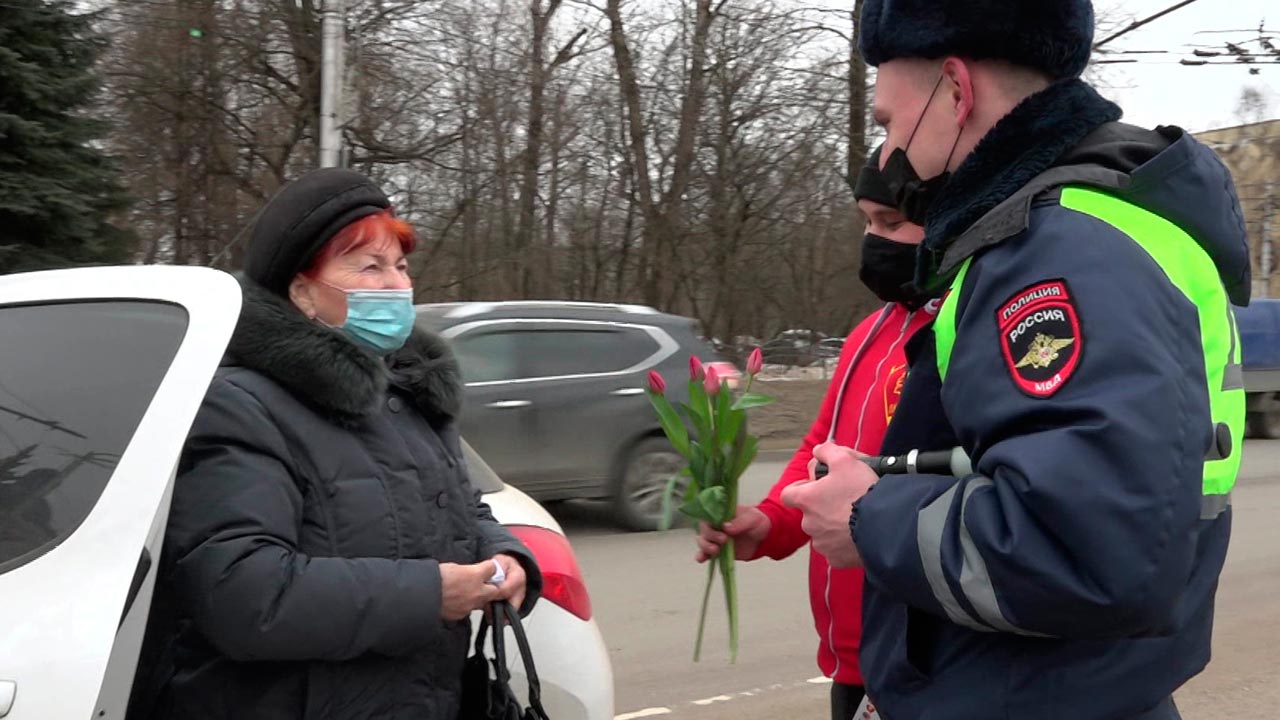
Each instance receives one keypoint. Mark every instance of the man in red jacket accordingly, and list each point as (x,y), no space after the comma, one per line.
(855,413)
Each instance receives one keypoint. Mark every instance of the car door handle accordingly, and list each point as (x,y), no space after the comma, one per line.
(627,392)
(509,404)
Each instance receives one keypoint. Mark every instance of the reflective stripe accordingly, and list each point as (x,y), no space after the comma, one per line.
(1188,267)
(1211,506)
(944,328)
(975,581)
(1233,378)
(931,523)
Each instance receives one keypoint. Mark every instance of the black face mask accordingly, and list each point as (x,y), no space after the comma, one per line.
(913,195)
(889,270)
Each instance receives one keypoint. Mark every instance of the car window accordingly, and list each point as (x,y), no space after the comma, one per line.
(525,353)
(556,353)
(75,381)
(487,356)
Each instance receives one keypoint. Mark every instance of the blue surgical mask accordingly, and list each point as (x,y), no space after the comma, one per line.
(380,320)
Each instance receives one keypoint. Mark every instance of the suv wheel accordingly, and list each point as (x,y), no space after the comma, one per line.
(637,499)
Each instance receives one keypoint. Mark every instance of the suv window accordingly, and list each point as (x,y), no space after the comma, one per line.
(555,353)
(487,356)
(75,381)
(523,353)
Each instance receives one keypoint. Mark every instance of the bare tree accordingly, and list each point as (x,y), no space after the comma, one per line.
(690,155)
(539,73)
(662,207)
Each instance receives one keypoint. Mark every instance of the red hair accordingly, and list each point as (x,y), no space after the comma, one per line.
(380,228)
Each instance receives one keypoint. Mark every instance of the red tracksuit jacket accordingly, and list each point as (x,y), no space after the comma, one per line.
(862,396)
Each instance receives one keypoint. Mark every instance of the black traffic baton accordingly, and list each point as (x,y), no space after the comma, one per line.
(932,462)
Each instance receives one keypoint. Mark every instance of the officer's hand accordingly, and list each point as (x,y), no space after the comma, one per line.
(813,461)
(748,529)
(827,503)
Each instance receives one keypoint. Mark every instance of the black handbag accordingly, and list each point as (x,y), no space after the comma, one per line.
(490,697)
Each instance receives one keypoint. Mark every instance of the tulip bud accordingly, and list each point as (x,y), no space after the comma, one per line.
(712,381)
(695,368)
(657,385)
(755,363)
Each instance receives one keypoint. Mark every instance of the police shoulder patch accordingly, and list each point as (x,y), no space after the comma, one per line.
(1040,337)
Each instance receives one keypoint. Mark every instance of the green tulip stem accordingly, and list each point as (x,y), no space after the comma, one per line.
(727,570)
(702,616)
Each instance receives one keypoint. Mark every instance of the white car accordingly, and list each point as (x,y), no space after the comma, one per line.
(572,660)
(102,371)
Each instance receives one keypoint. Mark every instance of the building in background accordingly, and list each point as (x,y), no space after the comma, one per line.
(1252,152)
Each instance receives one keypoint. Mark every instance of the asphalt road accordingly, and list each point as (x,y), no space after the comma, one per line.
(646,590)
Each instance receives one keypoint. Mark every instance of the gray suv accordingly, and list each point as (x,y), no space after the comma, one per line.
(555,396)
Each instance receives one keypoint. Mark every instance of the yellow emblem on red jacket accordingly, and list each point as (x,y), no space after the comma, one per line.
(893,390)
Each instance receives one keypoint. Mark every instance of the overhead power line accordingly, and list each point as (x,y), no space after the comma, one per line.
(1141,23)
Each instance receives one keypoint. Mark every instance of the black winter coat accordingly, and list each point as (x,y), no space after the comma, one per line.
(318,491)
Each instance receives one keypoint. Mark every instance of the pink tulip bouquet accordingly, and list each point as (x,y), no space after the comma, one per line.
(710,432)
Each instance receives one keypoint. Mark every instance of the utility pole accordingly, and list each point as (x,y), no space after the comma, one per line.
(331,73)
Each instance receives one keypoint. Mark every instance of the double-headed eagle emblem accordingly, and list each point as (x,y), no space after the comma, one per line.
(1044,350)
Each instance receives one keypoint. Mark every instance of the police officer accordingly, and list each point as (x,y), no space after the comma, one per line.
(1086,359)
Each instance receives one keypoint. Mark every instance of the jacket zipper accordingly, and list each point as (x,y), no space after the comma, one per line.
(831,434)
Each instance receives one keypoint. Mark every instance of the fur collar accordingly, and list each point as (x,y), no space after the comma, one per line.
(342,380)
(1027,142)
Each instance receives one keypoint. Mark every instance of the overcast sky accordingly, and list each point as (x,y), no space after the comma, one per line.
(1158,91)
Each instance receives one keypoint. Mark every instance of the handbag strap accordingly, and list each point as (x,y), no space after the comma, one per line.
(498,615)
(481,634)
(526,655)
(499,644)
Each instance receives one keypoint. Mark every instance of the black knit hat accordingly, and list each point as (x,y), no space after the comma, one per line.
(871,185)
(1053,36)
(301,218)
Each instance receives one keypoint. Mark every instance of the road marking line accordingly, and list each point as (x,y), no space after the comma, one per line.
(646,713)
(753,692)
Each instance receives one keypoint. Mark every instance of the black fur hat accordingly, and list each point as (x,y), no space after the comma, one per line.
(1053,36)
(301,218)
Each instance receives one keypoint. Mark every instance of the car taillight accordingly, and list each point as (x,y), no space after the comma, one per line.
(562,581)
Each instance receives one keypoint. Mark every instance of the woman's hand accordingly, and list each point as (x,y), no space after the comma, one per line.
(513,587)
(466,588)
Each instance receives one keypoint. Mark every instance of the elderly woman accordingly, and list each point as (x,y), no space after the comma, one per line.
(325,548)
